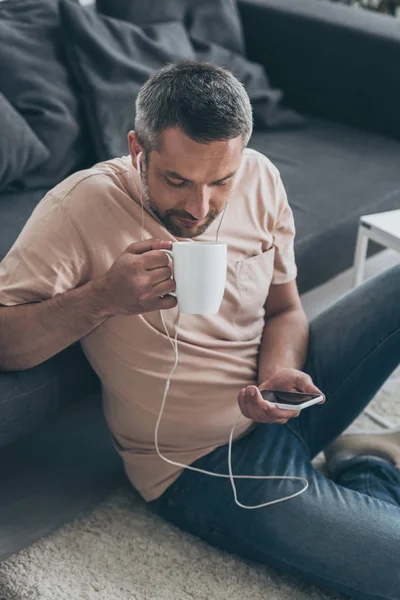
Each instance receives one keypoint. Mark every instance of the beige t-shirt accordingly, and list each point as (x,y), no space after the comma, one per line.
(76,233)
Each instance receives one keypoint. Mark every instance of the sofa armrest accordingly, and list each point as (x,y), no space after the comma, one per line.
(330,60)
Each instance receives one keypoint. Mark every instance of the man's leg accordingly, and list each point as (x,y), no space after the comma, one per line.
(317,536)
(354,347)
(331,536)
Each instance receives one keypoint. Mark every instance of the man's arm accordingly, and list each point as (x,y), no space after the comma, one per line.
(282,355)
(284,340)
(32,333)
(285,336)
(139,281)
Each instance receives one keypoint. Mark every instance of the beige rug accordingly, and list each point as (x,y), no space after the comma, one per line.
(122,552)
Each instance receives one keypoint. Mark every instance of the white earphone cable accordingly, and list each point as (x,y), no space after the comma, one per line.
(229,476)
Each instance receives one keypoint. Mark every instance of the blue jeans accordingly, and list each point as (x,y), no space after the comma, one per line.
(343,535)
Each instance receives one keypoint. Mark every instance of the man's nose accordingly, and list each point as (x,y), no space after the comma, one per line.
(198,205)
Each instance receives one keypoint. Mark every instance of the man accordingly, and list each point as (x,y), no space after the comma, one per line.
(80,271)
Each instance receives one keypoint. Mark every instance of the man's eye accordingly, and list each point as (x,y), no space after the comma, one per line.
(222,184)
(176,185)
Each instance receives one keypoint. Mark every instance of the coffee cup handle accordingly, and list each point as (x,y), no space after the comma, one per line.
(171,254)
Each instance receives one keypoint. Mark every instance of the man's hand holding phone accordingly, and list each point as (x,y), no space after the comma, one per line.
(255,407)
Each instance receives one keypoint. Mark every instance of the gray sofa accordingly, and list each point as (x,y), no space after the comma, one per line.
(337,66)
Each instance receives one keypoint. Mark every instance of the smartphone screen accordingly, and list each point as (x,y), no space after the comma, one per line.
(287,397)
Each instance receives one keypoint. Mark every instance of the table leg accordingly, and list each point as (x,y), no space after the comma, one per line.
(360,255)
(359,264)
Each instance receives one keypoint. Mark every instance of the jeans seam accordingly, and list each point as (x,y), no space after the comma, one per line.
(30,391)
(367,482)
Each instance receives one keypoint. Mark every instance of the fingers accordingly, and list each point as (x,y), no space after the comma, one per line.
(154,259)
(158,265)
(164,303)
(147,245)
(252,408)
(256,408)
(162,288)
(156,276)
(304,383)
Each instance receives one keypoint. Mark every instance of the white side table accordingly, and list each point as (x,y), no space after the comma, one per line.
(383,228)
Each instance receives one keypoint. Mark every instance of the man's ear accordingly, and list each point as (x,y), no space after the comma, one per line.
(134,147)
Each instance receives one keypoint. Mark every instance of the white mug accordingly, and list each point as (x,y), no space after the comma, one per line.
(199,270)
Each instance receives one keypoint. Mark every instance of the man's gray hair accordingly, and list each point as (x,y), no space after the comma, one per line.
(206,102)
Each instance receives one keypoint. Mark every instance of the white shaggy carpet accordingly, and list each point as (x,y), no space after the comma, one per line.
(120,551)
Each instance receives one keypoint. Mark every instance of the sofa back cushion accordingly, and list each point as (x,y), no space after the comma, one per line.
(112,58)
(215,21)
(35,81)
(20,149)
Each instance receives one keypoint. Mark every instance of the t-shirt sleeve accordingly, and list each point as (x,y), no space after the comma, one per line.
(285,269)
(49,257)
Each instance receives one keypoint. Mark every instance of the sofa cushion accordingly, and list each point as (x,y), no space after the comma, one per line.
(216,35)
(35,81)
(332,61)
(215,21)
(111,59)
(29,397)
(15,209)
(20,149)
(51,476)
(333,174)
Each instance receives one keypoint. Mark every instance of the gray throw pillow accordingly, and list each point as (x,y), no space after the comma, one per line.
(215,32)
(20,149)
(110,60)
(215,21)
(35,81)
